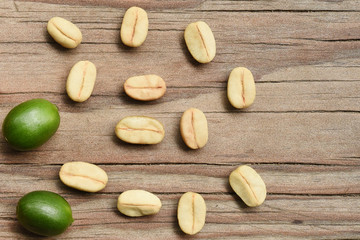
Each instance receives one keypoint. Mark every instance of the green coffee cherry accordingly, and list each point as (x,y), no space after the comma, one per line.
(44,213)
(30,124)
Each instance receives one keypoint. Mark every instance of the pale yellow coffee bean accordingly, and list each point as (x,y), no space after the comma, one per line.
(248,185)
(194,128)
(83,176)
(241,88)
(140,130)
(200,41)
(134,27)
(145,88)
(81,80)
(64,32)
(136,203)
(191,213)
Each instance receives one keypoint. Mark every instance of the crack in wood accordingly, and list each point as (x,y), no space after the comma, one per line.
(15,6)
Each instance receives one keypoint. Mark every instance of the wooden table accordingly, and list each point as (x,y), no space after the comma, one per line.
(302,134)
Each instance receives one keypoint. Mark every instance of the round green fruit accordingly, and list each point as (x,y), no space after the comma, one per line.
(30,124)
(44,213)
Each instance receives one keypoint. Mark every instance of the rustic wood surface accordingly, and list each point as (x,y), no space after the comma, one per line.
(302,133)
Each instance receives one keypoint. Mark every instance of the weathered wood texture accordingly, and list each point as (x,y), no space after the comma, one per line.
(301,134)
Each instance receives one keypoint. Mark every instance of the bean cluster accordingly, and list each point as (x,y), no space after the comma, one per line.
(88,177)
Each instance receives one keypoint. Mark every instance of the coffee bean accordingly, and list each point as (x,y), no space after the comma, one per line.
(81,80)
(83,176)
(134,27)
(241,88)
(140,130)
(191,213)
(136,203)
(64,32)
(194,128)
(248,185)
(200,41)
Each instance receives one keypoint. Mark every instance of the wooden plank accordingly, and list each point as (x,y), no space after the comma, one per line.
(334,96)
(301,134)
(313,138)
(226,217)
(229,5)
(284,179)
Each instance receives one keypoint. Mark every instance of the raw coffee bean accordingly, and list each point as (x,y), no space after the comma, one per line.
(64,32)
(134,27)
(241,88)
(83,176)
(194,128)
(140,130)
(248,185)
(81,81)
(136,203)
(145,88)
(191,213)
(200,41)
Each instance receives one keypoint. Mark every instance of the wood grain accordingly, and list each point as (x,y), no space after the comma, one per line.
(301,134)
